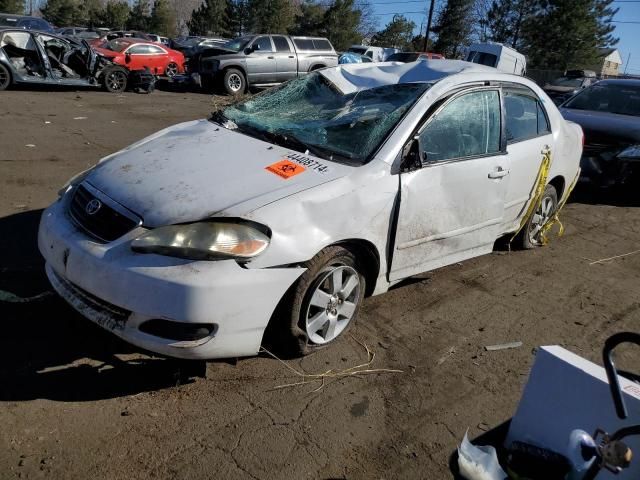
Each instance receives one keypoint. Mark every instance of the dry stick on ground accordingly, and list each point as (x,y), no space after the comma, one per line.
(603,260)
(357,370)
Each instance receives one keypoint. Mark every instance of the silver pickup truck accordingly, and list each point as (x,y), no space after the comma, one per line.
(263,61)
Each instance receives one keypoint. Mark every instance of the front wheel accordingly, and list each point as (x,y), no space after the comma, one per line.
(234,82)
(115,79)
(322,305)
(531,234)
(5,77)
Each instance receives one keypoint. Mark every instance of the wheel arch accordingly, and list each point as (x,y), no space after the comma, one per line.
(236,67)
(558,182)
(316,66)
(368,254)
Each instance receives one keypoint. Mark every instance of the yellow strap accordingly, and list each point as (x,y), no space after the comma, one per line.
(537,191)
(556,217)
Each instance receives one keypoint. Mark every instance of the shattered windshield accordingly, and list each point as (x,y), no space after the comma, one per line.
(309,113)
(237,44)
(623,99)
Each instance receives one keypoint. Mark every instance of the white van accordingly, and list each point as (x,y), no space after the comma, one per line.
(499,56)
(376,54)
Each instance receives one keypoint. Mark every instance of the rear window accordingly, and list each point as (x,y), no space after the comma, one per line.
(303,43)
(321,44)
(488,59)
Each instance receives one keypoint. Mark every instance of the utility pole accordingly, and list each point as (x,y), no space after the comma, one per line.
(426,34)
(627,65)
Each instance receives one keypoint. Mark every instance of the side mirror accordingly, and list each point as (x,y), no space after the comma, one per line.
(248,51)
(411,156)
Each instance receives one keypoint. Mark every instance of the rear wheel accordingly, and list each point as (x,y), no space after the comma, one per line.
(115,79)
(531,234)
(171,70)
(5,77)
(321,306)
(234,82)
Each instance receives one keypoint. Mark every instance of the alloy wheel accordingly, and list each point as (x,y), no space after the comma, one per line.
(332,304)
(235,82)
(171,70)
(116,81)
(4,78)
(540,218)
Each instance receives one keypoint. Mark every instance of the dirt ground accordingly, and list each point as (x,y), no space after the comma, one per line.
(77,403)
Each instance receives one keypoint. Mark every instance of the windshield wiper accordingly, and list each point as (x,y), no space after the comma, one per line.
(221,119)
(287,140)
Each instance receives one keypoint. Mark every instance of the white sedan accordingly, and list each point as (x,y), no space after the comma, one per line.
(273,219)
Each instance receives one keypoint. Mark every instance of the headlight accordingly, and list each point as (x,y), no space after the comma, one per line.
(73,181)
(204,241)
(632,152)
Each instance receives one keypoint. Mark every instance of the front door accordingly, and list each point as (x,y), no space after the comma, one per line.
(261,62)
(452,208)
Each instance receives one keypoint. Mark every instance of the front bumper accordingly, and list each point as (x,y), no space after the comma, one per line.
(120,290)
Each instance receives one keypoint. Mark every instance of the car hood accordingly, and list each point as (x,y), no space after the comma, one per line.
(199,169)
(605,128)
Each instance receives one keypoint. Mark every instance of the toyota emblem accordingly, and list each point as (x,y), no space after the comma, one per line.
(93,206)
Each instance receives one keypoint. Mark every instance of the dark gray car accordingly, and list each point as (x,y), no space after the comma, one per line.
(263,61)
(8,20)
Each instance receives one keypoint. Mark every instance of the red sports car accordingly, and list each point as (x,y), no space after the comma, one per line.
(136,54)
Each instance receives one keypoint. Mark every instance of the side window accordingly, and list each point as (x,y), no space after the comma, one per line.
(468,126)
(525,117)
(155,50)
(321,44)
(138,50)
(265,44)
(282,45)
(369,54)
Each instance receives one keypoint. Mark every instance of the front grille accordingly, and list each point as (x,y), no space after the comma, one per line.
(102,219)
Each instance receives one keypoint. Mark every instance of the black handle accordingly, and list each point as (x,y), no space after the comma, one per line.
(271,58)
(291,56)
(609,366)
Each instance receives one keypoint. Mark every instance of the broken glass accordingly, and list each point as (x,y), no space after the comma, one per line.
(315,113)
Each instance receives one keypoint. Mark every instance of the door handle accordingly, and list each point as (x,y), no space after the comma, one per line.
(291,56)
(498,173)
(270,58)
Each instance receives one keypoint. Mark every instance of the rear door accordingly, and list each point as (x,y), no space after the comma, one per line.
(453,206)
(261,62)
(286,62)
(528,136)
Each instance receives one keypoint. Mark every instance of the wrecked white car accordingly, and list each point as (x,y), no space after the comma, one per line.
(281,213)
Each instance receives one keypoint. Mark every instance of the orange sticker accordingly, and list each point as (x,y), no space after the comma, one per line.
(285,169)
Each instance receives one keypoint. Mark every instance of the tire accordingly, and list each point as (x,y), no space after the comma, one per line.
(315,312)
(234,82)
(529,237)
(115,79)
(171,70)
(5,77)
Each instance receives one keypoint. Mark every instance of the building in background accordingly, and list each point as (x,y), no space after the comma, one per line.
(610,63)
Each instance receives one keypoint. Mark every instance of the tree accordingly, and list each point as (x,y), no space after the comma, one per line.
(115,14)
(505,19)
(163,20)
(453,27)
(238,14)
(63,12)
(139,17)
(211,18)
(341,23)
(270,16)
(309,20)
(12,6)
(559,35)
(398,33)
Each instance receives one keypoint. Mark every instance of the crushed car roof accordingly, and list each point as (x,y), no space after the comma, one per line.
(350,78)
